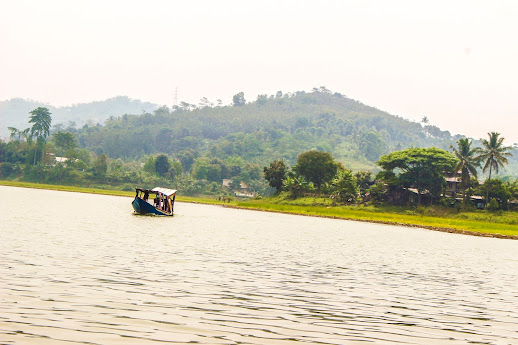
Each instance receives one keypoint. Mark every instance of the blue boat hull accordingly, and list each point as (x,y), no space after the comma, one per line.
(142,207)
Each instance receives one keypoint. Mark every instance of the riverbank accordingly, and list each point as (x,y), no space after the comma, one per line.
(92,190)
(466,227)
(477,223)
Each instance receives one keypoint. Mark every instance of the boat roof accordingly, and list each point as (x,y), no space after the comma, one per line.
(165,191)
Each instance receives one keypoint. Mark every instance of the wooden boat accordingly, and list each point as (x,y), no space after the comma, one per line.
(158,201)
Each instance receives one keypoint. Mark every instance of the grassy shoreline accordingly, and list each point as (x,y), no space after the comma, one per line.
(470,223)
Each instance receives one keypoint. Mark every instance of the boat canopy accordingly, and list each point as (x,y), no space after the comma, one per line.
(158,190)
(167,192)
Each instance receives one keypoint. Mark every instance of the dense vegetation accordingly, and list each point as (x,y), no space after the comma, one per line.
(195,147)
(415,176)
(280,126)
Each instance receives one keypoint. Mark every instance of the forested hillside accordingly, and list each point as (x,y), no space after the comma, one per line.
(271,127)
(195,147)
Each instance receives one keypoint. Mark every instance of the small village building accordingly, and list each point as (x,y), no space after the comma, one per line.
(454,185)
(244,190)
(478,201)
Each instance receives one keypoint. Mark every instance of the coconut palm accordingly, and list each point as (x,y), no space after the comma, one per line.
(14,133)
(41,120)
(493,153)
(467,162)
(27,135)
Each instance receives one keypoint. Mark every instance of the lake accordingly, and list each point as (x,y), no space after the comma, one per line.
(82,269)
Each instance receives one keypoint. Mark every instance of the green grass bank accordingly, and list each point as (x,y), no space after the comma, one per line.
(480,223)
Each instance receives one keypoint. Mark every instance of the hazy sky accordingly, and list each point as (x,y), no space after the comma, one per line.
(455,62)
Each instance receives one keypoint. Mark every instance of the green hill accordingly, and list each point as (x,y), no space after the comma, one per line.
(271,127)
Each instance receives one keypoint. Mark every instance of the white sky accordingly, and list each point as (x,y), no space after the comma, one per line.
(455,62)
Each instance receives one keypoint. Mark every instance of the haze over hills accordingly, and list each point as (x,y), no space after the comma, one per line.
(15,112)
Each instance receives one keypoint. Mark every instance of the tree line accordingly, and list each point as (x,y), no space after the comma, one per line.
(421,171)
(38,155)
(194,150)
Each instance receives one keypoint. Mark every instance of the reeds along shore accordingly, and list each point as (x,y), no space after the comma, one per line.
(479,223)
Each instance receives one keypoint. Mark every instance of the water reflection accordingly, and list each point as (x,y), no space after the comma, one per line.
(81,269)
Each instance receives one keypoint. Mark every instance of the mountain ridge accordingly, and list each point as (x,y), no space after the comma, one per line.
(271,127)
(15,111)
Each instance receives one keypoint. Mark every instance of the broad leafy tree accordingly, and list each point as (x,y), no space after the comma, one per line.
(239,99)
(497,190)
(214,172)
(372,145)
(275,174)
(493,154)
(64,141)
(420,168)
(187,159)
(467,162)
(100,168)
(317,167)
(512,186)
(149,166)
(345,186)
(162,165)
(363,180)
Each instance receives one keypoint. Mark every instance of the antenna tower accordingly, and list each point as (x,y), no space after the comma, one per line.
(175,100)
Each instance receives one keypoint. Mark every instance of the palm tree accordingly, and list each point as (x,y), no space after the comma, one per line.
(14,133)
(493,153)
(41,120)
(27,135)
(425,122)
(467,162)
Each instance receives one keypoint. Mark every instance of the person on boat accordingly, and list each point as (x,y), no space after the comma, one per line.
(169,202)
(165,205)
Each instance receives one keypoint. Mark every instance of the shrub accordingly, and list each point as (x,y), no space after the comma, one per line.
(378,192)
(493,205)
(9,170)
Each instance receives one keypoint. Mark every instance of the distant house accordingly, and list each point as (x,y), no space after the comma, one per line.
(454,185)
(454,190)
(410,196)
(413,196)
(61,159)
(244,190)
(51,159)
(478,201)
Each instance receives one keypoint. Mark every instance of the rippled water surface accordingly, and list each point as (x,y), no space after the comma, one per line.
(79,268)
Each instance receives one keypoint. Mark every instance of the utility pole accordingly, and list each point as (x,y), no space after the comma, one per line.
(175,100)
